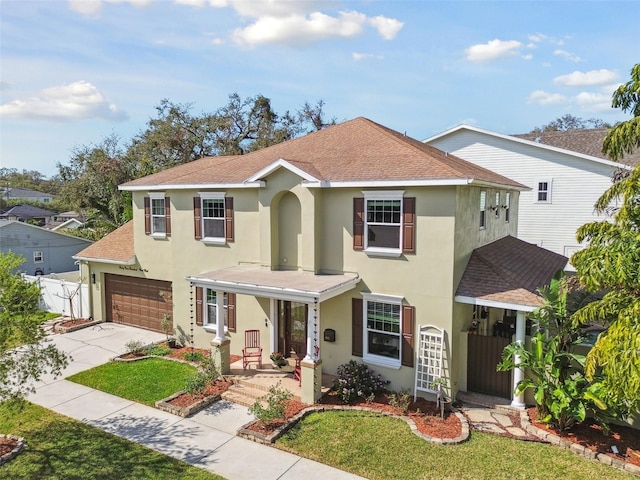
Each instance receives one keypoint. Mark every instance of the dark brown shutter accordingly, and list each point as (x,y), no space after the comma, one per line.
(358,223)
(167,215)
(147,216)
(228,218)
(199,306)
(409,225)
(231,312)
(197,219)
(356,327)
(408,315)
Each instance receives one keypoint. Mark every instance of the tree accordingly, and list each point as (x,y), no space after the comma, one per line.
(562,392)
(20,367)
(611,263)
(569,122)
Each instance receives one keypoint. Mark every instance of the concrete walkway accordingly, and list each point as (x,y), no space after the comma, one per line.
(206,439)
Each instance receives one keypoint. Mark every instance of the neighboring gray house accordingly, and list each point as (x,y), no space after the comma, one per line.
(28,213)
(565,184)
(45,251)
(25,194)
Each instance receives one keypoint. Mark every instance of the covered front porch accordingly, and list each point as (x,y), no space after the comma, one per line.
(294,323)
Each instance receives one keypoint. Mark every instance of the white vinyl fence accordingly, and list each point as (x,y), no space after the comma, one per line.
(69,298)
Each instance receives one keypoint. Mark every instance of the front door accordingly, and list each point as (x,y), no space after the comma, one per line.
(292,327)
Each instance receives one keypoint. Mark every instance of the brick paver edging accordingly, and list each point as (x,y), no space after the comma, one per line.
(576,447)
(271,438)
(16,450)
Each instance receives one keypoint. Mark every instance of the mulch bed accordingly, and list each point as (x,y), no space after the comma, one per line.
(73,322)
(179,352)
(424,414)
(7,444)
(589,434)
(187,399)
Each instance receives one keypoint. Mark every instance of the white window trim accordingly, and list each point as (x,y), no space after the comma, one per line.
(41,255)
(377,359)
(549,183)
(213,196)
(208,324)
(157,196)
(483,208)
(383,195)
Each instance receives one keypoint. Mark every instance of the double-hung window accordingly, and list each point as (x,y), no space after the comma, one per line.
(383,222)
(382,329)
(38,257)
(211,307)
(156,215)
(213,217)
(544,191)
(483,209)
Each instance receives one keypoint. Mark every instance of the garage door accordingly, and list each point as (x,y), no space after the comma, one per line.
(138,302)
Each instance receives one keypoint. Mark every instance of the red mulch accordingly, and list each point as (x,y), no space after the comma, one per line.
(6,445)
(589,434)
(180,351)
(73,322)
(425,415)
(186,399)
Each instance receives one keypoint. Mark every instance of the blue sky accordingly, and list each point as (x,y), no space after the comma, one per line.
(74,72)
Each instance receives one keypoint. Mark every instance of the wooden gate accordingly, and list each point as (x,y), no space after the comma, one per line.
(483,356)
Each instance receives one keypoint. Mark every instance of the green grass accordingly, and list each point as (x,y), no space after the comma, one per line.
(144,381)
(379,447)
(61,448)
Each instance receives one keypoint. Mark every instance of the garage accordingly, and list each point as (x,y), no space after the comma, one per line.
(139,302)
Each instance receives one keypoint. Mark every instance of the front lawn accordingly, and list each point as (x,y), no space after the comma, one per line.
(143,381)
(61,448)
(380,447)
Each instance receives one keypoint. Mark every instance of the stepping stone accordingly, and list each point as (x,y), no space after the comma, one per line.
(516,432)
(489,427)
(503,420)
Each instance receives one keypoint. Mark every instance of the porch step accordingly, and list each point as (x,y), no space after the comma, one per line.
(243,395)
(488,401)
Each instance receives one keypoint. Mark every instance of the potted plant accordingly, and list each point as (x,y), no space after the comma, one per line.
(442,400)
(171,342)
(278,359)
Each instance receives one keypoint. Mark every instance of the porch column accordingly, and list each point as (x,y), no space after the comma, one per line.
(518,373)
(220,342)
(311,365)
(219,316)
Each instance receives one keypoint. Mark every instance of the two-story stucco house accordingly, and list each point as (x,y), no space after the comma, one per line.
(564,184)
(353,242)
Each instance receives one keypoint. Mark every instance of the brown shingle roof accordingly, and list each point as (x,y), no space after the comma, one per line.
(115,247)
(358,150)
(509,270)
(586,141)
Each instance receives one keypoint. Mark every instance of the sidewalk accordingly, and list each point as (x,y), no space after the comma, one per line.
(206,439)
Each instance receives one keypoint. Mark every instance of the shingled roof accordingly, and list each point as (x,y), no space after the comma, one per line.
(586,141)
(354,152)
(509,271)
(117,247)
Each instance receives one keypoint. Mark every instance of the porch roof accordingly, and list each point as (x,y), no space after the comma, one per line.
(507,273)
(281,284)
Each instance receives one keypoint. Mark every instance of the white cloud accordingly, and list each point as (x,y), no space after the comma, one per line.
(365,56)
(528,56)
(544,98)
(587,79)
(541,37)
(594,102)
(388,28)
(74,101)
(492,50)
(94,7)
(572,57)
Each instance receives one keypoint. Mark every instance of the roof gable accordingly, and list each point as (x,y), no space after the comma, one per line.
(116,247)
(28,226)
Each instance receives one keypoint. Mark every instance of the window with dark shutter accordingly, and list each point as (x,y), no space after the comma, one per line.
(197,218)
(198,306)
(356,327)
(409,225)
(408,315)
(231,312)
(167,213)
(358,223)
(228,218)
(147,216)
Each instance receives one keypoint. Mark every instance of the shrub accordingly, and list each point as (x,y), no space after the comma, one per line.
(357,380)
(400,400)
(197,383)
(193,357)
(135,347)
(158,351)
(276,400)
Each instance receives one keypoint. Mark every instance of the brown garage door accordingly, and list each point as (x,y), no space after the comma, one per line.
(139,302)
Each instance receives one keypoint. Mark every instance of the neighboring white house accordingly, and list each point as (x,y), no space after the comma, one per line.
(564,184)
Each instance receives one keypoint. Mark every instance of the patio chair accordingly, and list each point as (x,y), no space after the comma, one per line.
(297,370)
(252,351)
